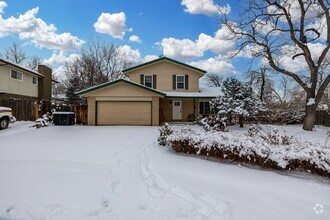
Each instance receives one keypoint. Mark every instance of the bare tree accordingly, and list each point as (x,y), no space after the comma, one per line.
(33,62)
(259,80)
(296,28)
(15,54)
(214,79)
(99,62)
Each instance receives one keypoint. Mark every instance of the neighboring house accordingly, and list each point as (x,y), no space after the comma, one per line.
(162,90)
(20,83)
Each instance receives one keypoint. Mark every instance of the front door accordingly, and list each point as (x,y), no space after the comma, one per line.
(177,110)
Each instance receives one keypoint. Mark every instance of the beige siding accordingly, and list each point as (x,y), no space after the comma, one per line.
(91,110)
(166,108)
(13,86)
(124,113)
(122,89)
(155,111)
(164,71)
(187,108)
(124,93)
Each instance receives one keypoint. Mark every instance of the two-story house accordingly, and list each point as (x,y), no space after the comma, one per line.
(20,83)
(162,90)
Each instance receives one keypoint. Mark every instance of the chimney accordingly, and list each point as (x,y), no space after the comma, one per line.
(45,83)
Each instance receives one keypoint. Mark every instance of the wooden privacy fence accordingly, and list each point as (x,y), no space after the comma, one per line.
(323,118)
(79,110)
(23,110)
(81,114)
(26,110)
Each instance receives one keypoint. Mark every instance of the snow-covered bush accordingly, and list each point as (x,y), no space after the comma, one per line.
(273,151)
(47,117)
(285,116)
(270,135)
(254,130)
(40,122)
(214,122)
(164,132)
(236,100)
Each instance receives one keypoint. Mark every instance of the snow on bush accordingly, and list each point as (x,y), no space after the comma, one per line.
(265,148)
(164,132)
(214,122)
(237,99)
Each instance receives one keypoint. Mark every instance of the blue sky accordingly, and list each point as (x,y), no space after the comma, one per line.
(181,29)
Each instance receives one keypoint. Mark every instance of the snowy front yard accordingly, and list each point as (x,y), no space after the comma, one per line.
(82,172)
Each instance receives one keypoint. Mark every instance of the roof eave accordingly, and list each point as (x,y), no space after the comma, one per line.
(83,92)
(21,68)
(191,97)
(164,58)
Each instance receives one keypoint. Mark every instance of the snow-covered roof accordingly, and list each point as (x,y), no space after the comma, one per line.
(204,92)
(21,67)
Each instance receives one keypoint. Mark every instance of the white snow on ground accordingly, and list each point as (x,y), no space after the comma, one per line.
(118,172)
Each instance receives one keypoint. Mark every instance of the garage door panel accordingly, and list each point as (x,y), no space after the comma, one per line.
(124,113)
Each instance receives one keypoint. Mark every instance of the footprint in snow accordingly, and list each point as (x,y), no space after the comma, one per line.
(119,162)
(115,185)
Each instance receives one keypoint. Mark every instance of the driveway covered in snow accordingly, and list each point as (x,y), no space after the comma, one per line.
(82,172)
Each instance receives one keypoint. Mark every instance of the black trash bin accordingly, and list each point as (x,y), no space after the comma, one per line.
(63,118)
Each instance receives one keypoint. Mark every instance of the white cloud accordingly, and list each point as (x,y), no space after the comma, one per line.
(206,7)
(298,63)
(60,72)
(293,7)
(60,58)
(320,26)
(214,65)
(222,42)
(2,6)
(180,49)
(135,39)
(112,24)
(43,35)
(148,58)
(133,56)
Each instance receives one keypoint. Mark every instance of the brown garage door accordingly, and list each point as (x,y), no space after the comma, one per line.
(124,113)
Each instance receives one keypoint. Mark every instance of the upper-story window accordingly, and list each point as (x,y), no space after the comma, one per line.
(34,80)
(180,82)
(16,75)
(148,81)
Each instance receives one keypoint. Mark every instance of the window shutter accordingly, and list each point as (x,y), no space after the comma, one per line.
(154,81)
(186,80)
(142,79)
(174,82)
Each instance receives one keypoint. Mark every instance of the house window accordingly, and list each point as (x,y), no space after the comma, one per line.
(180,82)
(204,108)
(16,75)
(34,80)
(148,81)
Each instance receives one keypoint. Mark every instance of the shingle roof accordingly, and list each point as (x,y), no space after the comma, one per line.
(117,81)
(21,67)
(164,58)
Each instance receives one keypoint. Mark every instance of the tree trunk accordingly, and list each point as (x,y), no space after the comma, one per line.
(262,88)
(241,122)
(309,117)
